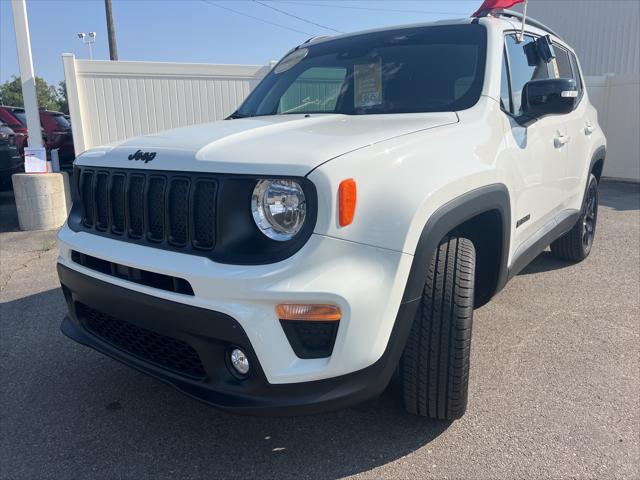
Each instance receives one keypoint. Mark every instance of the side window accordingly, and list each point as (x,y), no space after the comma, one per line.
(562,65)
(576,73)
(505,93)
(521,71)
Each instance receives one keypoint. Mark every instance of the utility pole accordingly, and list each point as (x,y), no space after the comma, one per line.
(27,77)
(111,31)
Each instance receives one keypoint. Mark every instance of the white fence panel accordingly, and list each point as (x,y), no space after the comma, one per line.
(113,101)
(617,99)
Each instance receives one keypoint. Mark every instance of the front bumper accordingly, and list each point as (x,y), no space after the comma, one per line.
(367,283)
(211,334)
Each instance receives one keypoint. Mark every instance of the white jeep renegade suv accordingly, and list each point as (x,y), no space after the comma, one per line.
(343,223)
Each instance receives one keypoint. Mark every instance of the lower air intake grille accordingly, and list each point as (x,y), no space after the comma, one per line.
(143,277)
(163,351)
(310,339)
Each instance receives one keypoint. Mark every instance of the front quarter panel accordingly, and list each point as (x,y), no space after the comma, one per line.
(402,182)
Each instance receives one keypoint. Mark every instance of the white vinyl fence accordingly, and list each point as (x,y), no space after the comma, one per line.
(617,99)
(112,101)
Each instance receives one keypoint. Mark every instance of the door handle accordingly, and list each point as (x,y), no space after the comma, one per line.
(560,141)
(589,129)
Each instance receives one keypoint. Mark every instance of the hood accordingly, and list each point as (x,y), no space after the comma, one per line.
(273,145)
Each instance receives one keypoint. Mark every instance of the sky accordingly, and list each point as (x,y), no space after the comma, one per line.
(200,31)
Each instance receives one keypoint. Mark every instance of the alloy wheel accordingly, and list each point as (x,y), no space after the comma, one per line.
(589,217)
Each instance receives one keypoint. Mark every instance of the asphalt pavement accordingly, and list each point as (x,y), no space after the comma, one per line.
(555,387)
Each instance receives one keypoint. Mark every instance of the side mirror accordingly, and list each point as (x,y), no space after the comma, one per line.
(540,98)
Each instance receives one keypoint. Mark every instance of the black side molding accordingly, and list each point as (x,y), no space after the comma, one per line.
(529,250)
(599,154)
(449,216)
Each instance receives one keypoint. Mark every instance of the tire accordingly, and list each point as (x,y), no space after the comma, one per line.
(575,245)
(434,368)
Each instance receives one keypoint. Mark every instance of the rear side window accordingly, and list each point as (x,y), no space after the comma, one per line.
(520,70)
(565,65)
(576,73)
(562,65)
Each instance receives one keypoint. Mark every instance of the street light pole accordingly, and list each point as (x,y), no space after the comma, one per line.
(88,39)
(111,31)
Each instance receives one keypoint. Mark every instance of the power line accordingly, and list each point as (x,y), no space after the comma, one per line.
(296,17)
(371,9)
(256,18)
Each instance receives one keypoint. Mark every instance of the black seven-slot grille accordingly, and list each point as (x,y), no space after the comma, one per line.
(159,208)
(196,213)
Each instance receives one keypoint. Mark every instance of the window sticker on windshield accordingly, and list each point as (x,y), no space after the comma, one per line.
(368,84)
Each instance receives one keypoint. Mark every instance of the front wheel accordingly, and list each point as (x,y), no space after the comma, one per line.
(434,368)
(575,245)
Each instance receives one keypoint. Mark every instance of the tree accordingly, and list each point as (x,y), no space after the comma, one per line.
(62,97)
(11,94)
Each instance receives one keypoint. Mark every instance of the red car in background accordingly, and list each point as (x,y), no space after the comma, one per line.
(56,132)
(17,124)
(10,160)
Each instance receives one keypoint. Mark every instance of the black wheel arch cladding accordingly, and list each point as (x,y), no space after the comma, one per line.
(451,215)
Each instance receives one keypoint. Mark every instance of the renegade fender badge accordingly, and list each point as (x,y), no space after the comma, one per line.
(144,156)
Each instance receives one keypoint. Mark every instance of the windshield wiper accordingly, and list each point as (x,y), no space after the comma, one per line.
(237,114)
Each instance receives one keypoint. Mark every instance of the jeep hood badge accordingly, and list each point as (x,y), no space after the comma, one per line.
(144,156)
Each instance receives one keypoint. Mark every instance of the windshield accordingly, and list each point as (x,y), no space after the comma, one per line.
(61,122)
(421,69)
(21,116)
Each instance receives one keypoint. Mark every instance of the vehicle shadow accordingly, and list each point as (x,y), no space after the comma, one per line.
(86,413)
(545,262)
(620,196)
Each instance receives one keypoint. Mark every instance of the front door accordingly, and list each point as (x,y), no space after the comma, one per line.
(539,151)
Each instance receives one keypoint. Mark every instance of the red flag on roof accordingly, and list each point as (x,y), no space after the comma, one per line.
(495,4)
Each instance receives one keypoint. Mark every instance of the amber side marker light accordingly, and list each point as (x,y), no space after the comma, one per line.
(346,201)
(308,313)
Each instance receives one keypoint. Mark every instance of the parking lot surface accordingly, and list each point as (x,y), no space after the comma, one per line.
(555,387)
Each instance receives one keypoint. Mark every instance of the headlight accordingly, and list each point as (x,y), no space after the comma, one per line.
(279,208)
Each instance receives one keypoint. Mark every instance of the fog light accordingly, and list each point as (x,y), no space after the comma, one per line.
(239,361)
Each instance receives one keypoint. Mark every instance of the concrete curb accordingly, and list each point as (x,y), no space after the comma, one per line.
(43,200)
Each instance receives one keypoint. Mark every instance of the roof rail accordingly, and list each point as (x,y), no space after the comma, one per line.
(520,16)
